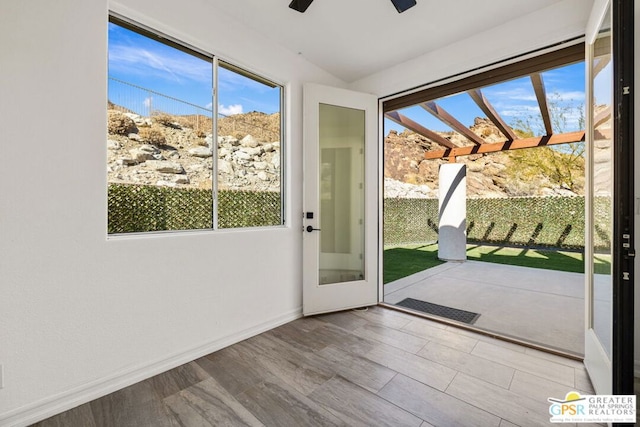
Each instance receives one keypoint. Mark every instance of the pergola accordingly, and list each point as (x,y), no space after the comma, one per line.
(532,68)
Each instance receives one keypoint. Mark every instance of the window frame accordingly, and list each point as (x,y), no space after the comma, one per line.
(509,70)
(215,60)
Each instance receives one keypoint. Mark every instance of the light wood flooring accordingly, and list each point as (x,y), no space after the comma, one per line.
(357,368)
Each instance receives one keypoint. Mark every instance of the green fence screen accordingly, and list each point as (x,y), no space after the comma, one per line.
(141,208)
(556,222)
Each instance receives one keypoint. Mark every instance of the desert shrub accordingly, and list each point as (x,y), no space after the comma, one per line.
(164,119)
(564,166)
(168,120)
(486,132)
(200,123)
(187,121)
(153,136)
(119,124)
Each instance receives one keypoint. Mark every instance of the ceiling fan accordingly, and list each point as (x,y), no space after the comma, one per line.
(401,5)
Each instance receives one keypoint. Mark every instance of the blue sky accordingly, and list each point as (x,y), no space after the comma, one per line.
(149,64)
(512,100)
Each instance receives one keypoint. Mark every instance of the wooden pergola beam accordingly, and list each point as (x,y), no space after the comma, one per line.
(541,95)
(482,102)
(539,141)
(405,121)
(451,121)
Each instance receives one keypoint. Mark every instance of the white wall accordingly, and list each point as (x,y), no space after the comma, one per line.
(81,314)
(561,21)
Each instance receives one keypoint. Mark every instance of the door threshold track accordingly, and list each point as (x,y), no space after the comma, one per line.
(491,334)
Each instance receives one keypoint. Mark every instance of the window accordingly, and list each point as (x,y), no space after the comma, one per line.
(249,149)
(181,155)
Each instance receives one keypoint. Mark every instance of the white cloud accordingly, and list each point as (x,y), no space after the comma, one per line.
(173,67)
(515,94)
(230,110)
(147,102)
(519,111)
(571,96)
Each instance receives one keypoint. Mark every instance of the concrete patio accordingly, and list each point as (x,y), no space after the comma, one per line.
(540,306)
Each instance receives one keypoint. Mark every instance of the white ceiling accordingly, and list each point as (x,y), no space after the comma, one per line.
(352,39)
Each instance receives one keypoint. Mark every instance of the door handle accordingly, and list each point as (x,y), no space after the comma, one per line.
(310,229)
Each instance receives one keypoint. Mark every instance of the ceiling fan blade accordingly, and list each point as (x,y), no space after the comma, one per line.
(300,5)
(402,5)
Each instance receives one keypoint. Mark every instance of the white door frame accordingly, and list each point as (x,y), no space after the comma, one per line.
(596,359)
(319,298)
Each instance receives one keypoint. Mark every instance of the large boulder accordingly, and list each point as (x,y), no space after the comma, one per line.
(242,155)
(145,152)
(252,151)
(164,166)
(249,141)
(260,165)
(202,152)
(225,167)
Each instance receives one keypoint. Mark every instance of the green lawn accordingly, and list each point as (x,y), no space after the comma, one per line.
(400,262)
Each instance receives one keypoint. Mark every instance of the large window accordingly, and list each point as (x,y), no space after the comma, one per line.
(193,142)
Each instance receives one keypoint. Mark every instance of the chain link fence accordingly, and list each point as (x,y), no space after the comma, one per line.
(127,97)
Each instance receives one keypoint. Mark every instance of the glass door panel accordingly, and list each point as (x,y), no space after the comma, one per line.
(602,167)
(609,338)
(342,136)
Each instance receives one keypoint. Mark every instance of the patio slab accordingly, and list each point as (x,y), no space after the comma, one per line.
(541,306)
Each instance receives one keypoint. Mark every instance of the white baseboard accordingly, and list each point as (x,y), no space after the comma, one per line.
(69,399)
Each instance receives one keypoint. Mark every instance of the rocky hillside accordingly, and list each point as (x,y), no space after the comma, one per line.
(408,174)
(178,150)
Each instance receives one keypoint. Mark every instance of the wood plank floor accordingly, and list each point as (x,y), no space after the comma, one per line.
(357,368)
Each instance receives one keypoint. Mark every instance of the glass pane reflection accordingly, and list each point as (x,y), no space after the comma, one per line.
(602,169)
(341,168)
